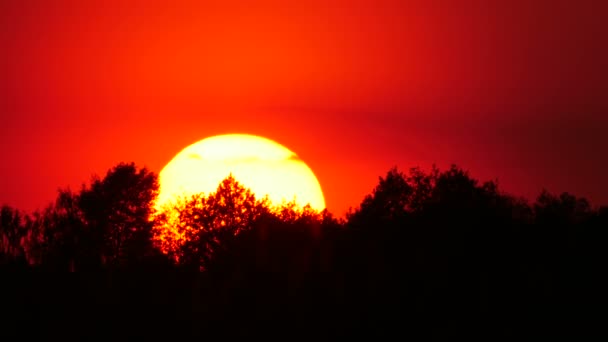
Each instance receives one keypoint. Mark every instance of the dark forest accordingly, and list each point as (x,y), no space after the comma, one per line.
(433,253)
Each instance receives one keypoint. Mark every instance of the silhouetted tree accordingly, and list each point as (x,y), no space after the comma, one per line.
(388,200)
(117,211)
(54,236)
(280,269)
(420,244)
(193,229)
(12,231)
(565,208)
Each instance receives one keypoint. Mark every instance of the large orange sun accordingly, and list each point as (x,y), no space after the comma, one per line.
(262,165)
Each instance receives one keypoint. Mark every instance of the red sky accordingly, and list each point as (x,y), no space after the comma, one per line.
(514,90)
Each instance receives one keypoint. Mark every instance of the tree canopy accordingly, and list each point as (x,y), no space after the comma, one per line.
(420,243)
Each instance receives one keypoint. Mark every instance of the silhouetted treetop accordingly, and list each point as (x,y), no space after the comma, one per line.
(398,195)
(388,200)
(421,243)
(192,229)
(117,210)
(11,234)
(565,208)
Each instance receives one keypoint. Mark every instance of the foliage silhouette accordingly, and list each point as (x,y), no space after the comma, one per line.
(435,244)
(193,229)
(106,224)
(58,235)
(11,234)
(117,211)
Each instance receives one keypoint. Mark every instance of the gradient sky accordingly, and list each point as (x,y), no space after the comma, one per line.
(514,90)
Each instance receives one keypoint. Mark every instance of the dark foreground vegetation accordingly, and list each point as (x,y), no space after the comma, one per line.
(432,254)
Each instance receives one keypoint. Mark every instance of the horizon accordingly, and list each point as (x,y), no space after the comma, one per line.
(341,215)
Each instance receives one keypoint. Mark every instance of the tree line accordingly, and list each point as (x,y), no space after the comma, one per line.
(421,243)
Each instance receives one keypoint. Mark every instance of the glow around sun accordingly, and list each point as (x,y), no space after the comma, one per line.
(260,164)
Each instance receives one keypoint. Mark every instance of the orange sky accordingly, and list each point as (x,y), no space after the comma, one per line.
(508,89)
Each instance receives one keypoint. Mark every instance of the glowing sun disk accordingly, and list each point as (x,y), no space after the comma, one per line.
(260,164)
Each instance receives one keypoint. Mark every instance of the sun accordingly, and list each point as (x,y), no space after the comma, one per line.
(264,166)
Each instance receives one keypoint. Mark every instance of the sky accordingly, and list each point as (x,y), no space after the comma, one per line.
(510,90)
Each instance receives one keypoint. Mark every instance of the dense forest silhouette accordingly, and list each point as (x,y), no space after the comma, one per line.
(422,244)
